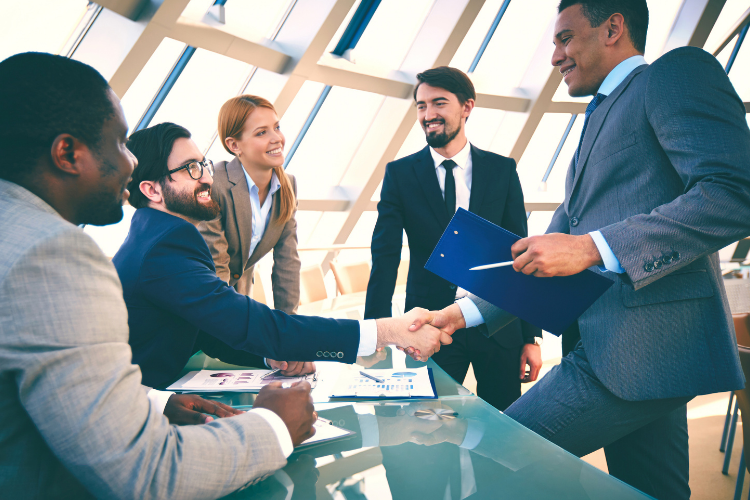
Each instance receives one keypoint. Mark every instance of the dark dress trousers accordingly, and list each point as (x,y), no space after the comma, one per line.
(172,293)
(411,201)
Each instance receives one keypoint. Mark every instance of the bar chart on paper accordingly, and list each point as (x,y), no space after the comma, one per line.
(398,383)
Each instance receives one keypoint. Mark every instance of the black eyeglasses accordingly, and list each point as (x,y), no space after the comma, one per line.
(195,169)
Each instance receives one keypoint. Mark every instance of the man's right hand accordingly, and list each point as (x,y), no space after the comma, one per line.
(420,342)
(448,320)
(293,405)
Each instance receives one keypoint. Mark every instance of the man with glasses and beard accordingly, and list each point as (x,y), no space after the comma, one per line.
(420,194)
(177,305)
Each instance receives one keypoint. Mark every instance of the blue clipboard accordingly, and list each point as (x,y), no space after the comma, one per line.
(552,304)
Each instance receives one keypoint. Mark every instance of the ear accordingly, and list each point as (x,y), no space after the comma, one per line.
(615,26)
(152,191)
(231,143)
(468,106)
(69,155)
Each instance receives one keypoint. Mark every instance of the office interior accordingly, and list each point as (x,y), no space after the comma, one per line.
(340,74)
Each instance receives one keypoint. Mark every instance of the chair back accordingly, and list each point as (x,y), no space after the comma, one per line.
(351,278)
(312,285)
(258,294)
(403,272)
(738,294)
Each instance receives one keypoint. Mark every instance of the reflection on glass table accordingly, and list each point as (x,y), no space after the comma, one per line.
(328,374)
(454,448)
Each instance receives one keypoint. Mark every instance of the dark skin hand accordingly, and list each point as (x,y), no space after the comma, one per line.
(189,409)
(293,405)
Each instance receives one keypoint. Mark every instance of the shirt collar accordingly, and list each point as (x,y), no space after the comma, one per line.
(621,71)
(275,184)
(461,158)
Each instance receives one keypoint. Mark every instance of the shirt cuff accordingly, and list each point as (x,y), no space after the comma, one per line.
(611,263)
(368,337)
(159,399)
(279,428)
(368,426)
(474,435)
(471,313)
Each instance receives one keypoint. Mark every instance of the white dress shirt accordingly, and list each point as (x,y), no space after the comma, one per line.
(260,212)
(462,176)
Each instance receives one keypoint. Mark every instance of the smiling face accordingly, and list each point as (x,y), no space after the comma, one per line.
(112,165)
(261,144)
(184,195)
(441,115)
(580,52)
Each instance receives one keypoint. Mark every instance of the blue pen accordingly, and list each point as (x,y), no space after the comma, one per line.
(376,379)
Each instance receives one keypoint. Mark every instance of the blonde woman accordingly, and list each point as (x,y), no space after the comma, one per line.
(258,201)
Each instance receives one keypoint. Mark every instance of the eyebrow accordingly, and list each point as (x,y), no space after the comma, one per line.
(263,126)
(191,160)
(434,100)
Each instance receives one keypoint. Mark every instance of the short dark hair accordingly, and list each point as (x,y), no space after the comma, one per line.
(635,13)
(453,80)
(152,147)
(41,97)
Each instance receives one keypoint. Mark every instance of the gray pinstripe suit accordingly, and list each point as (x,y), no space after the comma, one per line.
(664,175)
(75,421)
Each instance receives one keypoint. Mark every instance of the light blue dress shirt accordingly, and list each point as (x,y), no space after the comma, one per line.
(614,78)
(471,313)
(260,213)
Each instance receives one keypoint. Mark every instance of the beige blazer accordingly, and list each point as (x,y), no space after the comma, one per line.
(75,421)
(228,236)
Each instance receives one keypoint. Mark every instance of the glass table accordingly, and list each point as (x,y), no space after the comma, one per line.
(480,453)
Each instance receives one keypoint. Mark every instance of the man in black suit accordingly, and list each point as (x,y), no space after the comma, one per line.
(420,194)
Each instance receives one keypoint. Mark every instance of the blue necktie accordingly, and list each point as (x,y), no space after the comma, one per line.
(589,109)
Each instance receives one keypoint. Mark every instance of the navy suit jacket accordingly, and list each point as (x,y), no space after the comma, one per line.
(411,200)
(172,293)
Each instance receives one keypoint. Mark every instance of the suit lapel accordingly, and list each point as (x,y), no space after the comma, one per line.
(480,179)
(243,210)
(270,236)
(424,168)
(596,120)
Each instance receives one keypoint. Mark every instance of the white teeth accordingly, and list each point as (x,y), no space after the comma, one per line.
(274,151)
(568,71)
(203,194)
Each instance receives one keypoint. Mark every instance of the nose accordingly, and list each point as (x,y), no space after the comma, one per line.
(133,160)
(206,178)
(558,56)
(429,113)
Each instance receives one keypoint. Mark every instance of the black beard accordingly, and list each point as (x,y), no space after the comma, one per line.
(437,141)
(188,205)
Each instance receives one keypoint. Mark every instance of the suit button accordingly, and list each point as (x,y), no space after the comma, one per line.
(340,355)
(319,354)
(675,255)
(236,276)
(648,267)
(657,264)
(574,221)
(452,287)
(667,259)
(326,354)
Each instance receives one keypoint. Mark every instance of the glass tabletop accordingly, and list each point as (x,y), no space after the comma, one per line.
(387,358)
(414,450)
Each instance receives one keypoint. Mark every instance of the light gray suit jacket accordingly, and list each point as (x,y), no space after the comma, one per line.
(228,236)
(75,421)
(664,175)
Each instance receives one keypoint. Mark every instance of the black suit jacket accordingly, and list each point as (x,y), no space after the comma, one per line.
(411,200)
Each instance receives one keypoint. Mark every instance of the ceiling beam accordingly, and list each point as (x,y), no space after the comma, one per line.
(693,24)
(733,32)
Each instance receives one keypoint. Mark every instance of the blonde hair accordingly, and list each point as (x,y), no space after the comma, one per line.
(232,117)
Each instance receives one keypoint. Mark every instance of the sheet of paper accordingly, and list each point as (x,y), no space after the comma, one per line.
(324,431)
(398,383)
(234,380)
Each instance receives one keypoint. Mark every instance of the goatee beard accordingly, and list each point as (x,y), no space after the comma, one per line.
(437,141)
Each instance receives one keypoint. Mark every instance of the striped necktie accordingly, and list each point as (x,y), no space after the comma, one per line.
(589,109)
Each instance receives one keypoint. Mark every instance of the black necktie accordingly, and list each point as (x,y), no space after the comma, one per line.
(589,109)
(450,187)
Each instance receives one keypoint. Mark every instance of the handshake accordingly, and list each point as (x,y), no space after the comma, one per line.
(420,332)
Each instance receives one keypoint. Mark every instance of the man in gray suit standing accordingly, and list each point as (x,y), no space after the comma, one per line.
(658,184)
(75,420)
